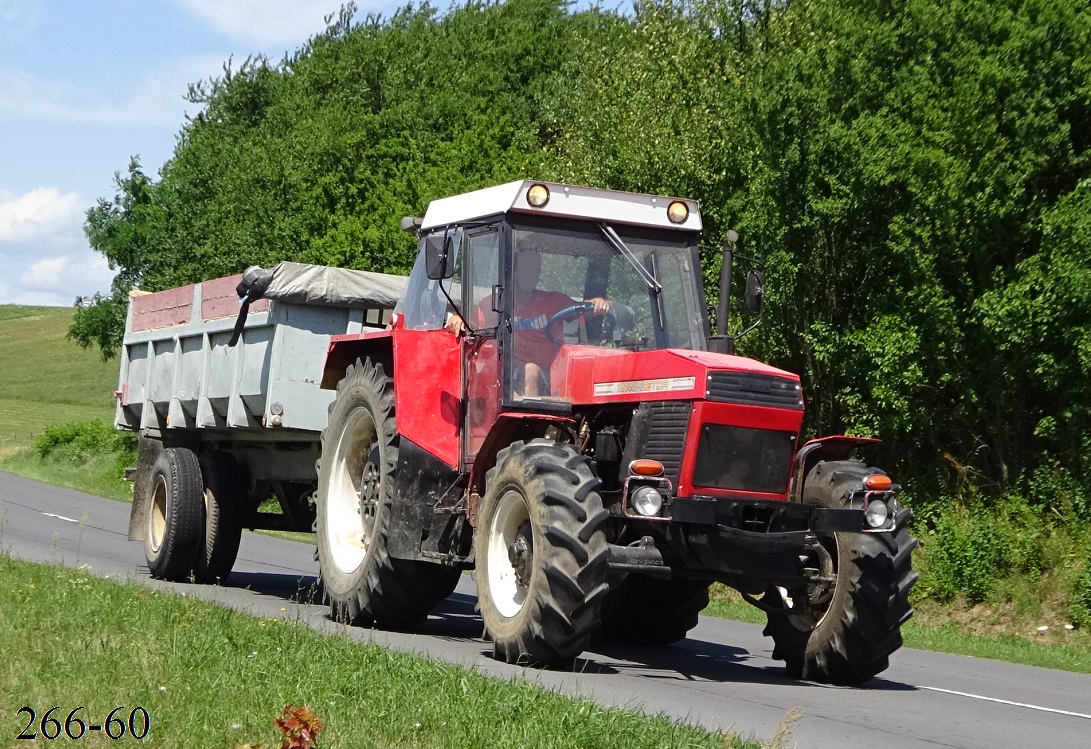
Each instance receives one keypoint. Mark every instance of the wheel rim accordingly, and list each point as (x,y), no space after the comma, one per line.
(157,515)
(816,604)
(353,497)
(510,554)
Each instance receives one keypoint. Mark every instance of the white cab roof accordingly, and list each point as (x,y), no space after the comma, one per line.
(565,201)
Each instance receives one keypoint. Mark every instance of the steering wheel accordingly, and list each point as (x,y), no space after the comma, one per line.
(571,313)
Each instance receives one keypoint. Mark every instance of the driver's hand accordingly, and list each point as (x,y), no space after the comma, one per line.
(455,324)
(601,305)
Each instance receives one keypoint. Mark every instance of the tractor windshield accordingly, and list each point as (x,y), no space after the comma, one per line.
(559,268)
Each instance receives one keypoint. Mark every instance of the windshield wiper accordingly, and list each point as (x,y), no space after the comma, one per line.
(647,276)
(622,248)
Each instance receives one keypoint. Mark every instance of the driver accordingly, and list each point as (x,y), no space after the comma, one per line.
(534,352)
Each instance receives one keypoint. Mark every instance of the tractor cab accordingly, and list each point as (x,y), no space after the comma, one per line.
(541,279)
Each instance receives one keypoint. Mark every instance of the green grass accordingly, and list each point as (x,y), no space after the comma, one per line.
(46,378)
(1011,648)
(210,676)
(928,632)
(101,475)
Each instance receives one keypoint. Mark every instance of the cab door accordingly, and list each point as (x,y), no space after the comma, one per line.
(480,349)
(428,361)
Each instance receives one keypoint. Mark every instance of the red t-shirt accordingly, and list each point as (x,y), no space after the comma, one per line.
(528,327)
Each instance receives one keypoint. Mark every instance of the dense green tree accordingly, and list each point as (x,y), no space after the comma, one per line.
(914,174)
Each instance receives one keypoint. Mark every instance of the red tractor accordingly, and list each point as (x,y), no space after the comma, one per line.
(550,408)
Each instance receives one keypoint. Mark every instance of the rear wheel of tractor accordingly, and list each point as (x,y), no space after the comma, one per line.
(175,514)
(541,554)
(358,578)
(848,635)
(225,500)
(646,610)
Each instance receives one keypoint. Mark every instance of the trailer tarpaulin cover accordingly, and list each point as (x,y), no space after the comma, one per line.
(301,283)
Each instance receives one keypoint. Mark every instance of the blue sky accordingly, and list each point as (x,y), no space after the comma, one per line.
(84,85)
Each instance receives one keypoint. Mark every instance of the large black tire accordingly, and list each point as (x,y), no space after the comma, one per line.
(646,610)
(175,514)
(848,638)
(541,553)
(359,579)
(225,502)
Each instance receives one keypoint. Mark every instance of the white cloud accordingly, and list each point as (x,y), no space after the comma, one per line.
(156,99)
(265,22)
(45,212)
(54,280)
(44,274)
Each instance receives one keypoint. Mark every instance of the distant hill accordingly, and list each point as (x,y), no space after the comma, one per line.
(45,378)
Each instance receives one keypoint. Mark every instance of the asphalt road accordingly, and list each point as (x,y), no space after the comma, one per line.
(721,677)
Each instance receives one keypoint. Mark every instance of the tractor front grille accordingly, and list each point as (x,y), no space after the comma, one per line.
(658,432)
(753,460)
(752,389)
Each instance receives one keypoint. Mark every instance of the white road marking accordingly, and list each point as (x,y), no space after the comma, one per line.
(1009,702)
(59,517)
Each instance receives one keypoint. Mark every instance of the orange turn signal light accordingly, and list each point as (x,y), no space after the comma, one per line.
(646,467)
(877,482)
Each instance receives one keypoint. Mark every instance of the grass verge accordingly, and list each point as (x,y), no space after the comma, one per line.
(47,379)
(938,628)
(100,474)
(209,676)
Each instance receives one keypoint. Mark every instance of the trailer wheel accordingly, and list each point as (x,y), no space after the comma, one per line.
(651,611)
(540,553)
(358,578)
(848,637)
(224,498)
(175,514)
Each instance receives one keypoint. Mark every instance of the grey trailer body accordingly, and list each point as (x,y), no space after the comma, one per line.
(257,404)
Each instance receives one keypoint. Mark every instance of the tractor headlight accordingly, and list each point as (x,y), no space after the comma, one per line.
(877,513)
(647,501)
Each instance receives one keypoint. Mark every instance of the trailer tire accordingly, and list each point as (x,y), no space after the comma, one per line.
(650,611)
(360,581)
(854,635)
(175,514)
(541,554)
(225,501)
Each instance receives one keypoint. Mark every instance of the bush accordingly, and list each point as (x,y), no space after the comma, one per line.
(976,543)
(964,557)
(1080,604)
(79,441)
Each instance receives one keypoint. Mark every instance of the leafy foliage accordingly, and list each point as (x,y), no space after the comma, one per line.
(79,440)
(972,548)
(1081,600)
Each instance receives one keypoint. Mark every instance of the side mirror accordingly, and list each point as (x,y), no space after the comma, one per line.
(755,292)
(439,254)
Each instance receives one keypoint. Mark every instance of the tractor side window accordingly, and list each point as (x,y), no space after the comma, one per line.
(424,307)
(481,250)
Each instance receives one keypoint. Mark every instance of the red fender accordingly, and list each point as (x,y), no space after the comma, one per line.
(508,428)
(837,447)
(344,350)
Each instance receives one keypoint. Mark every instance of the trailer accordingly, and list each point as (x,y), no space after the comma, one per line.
(228,403)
